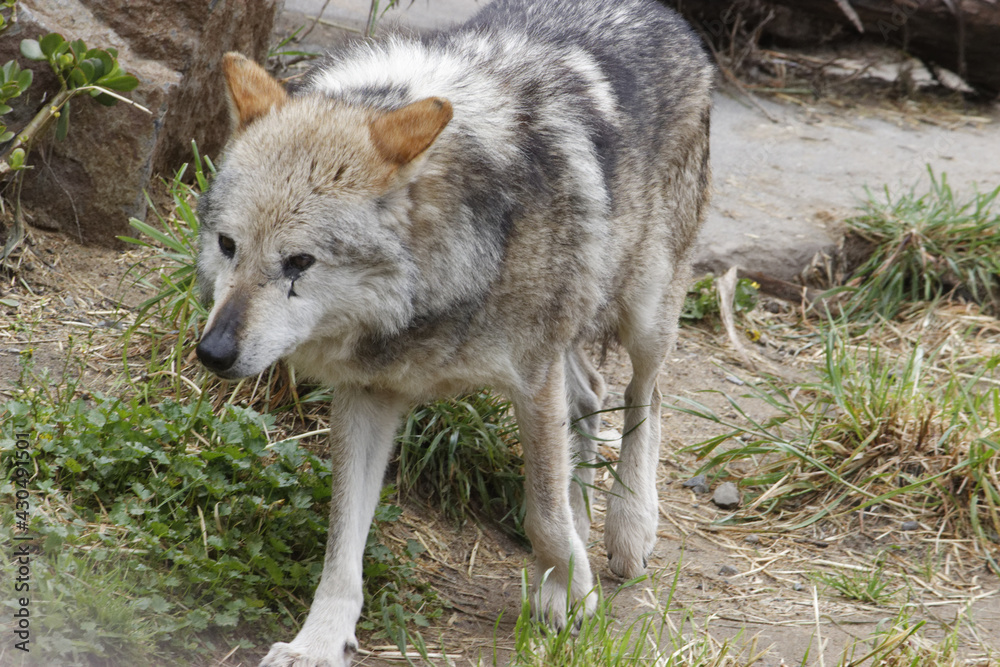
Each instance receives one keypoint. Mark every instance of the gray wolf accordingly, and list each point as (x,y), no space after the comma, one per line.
(428,215)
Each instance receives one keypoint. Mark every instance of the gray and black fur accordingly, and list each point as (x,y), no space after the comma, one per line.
(555,203)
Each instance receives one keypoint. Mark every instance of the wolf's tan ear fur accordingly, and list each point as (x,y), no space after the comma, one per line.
(403,134)
(252,91)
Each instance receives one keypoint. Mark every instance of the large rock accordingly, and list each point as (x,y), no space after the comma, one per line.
(89,185)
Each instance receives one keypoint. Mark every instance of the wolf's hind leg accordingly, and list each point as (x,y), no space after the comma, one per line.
(562,571)
(633,502)
(585,392)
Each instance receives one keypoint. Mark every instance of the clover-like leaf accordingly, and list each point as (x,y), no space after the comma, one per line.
(77,78)
(31,49)
(122,83)
(52,44)
(89,73)
(78,48)
(97,66)
(24,79)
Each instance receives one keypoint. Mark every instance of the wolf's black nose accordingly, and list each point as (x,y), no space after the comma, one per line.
(217,349)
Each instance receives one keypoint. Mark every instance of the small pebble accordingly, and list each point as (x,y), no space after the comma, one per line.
(752,539)
(797,586)
(727,496)
(910,525)
(735,380)
(728,571)
(698,484)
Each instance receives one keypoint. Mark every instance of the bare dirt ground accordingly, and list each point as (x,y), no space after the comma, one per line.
(770,183)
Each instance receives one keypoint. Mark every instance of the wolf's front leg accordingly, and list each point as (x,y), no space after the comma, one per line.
(562,571)
(362,429)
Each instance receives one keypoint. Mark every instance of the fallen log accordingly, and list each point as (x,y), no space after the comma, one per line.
(962,36)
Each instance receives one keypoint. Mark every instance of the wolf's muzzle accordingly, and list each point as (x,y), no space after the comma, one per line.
(219,347)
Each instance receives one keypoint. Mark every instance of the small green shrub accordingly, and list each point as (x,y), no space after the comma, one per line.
(702,301)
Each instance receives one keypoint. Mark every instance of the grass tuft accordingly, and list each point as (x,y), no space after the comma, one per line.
(909,432)
(870,586)
(927,247)
(464,457)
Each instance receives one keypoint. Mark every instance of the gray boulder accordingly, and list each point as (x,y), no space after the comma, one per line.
(90,184)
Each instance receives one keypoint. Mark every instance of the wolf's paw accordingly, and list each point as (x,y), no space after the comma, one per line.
(334,654)
(551,604)
(629,535)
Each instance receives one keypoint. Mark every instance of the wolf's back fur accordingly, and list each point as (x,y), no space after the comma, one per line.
(558,205)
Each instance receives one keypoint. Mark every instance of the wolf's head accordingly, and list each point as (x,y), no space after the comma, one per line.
(303,230)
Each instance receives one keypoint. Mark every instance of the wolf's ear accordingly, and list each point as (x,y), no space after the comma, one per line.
(403,134)
(252,91)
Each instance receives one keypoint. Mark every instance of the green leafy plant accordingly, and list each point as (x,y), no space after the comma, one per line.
(702,301)
(222,527)
(79,70)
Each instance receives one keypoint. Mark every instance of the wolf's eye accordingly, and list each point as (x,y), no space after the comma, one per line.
(227,246)
(296,264)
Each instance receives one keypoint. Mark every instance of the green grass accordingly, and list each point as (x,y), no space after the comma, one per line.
(927,246)
(463,456)
(910,431)
(869,586)
(665,636)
